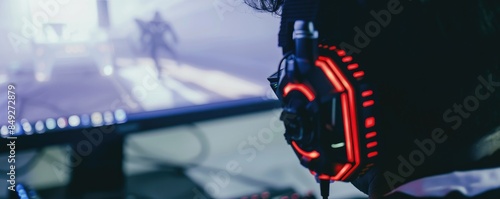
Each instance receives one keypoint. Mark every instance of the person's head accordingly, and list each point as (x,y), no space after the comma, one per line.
(436,65)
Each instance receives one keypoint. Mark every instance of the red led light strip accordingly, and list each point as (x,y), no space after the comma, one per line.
(352,112)
(347,127)
(368,103)
(341,53)
(335,82)
(371,134)
(352,66)
(358,74)
(344,169)
(350,122)
(324,177)
(299,87)
(369,122)
(371,144)
(367,93)
(372,154)
(346,59)
(310,155)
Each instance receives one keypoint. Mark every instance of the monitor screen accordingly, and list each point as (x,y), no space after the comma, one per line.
(72,64)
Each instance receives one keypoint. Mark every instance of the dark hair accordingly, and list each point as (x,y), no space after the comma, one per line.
(485,17)
(273,6)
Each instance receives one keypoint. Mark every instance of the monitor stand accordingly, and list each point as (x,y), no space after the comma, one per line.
(99,174)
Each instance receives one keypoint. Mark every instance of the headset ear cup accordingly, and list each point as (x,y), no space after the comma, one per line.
(298,125)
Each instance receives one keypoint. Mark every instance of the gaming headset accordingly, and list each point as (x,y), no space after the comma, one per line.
(328,108)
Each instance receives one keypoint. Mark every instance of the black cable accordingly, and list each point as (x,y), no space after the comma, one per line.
(325,188)
(281,61)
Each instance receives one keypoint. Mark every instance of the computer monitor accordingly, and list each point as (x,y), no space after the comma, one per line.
(132,65)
